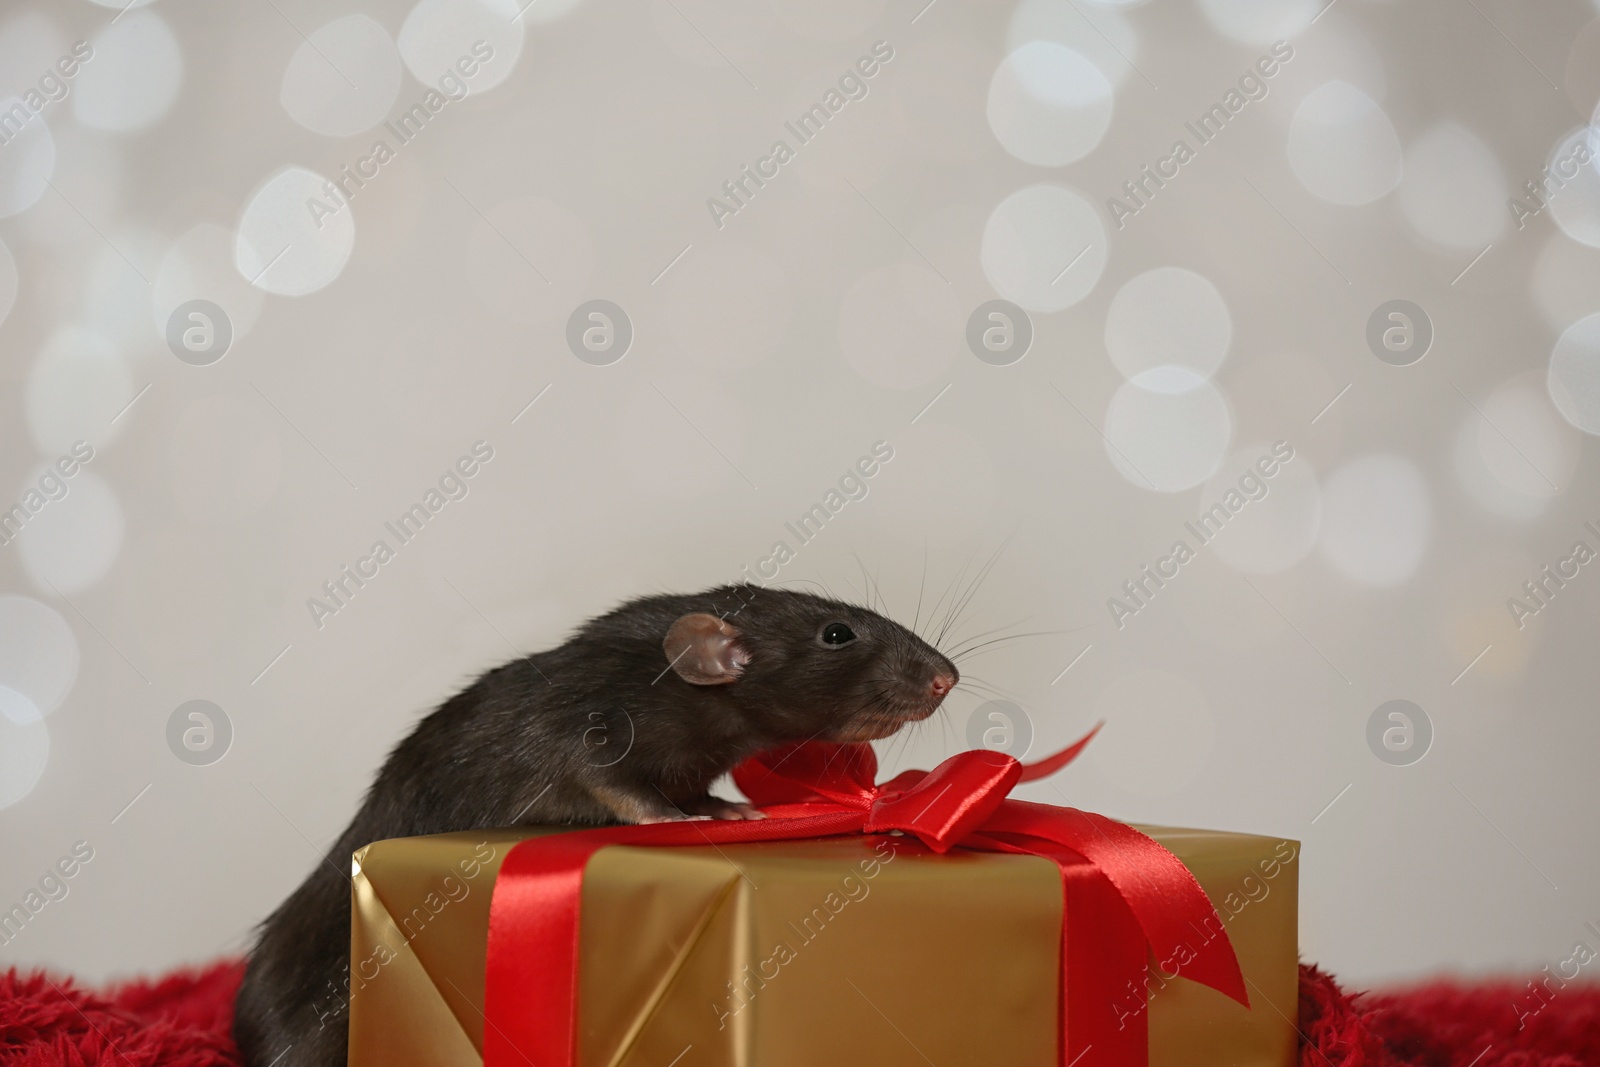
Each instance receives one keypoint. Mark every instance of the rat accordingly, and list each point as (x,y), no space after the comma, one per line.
(629,721)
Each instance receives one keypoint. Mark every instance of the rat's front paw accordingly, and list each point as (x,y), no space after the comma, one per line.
(717,808)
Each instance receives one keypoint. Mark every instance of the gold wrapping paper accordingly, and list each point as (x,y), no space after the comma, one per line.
(797,953)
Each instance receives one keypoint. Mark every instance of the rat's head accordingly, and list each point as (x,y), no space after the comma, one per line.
(804,666)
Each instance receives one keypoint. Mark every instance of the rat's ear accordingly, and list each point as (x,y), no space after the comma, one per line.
(705,650)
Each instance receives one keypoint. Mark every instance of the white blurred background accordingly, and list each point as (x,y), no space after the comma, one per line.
(1176,339)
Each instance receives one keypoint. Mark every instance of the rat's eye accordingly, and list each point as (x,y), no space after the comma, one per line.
(837,633)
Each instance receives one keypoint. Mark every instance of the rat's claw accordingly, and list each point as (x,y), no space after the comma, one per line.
(716,808)
(728,809)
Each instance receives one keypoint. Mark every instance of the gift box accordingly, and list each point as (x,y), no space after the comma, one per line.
(879,946)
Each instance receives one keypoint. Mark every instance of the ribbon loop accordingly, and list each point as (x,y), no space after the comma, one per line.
(950,802)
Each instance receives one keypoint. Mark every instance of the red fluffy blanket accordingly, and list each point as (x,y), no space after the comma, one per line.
(182,1021)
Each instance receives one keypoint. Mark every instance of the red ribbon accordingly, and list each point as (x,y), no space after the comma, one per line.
(1124,895)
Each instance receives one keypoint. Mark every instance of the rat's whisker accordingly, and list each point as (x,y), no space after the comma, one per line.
(992,630)
(1002,640)
(802,581)
(961,642)
(874,599)
(958,591)
(815,583)
(933,613)
(944,730)
(982,575)
(902,742)
(983,685)
(922,587)
(983,689)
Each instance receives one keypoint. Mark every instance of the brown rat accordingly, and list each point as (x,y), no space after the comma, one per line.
(630,720)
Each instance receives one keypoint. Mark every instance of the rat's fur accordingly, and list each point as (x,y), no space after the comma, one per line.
(598,730)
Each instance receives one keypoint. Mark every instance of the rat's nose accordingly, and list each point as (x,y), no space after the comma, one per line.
(941,684)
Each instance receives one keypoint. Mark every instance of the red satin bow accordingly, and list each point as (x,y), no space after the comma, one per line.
(1125,896)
